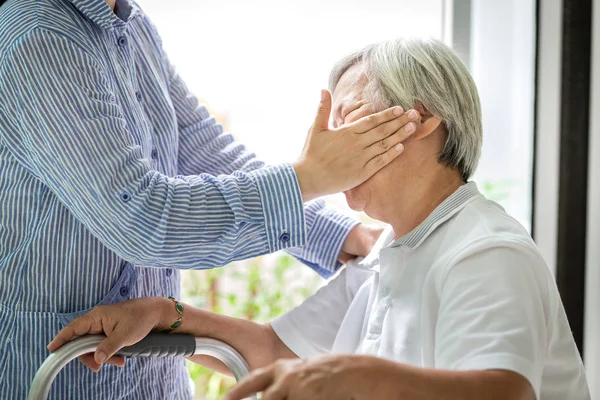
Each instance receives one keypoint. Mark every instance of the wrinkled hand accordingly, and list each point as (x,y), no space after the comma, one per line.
(359,242)
(124,324)
(337,159)
(339,377)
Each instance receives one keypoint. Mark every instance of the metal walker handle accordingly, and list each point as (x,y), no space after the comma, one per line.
(153,345)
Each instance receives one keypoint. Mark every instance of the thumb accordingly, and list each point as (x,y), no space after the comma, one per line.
(113,343)
(323,112)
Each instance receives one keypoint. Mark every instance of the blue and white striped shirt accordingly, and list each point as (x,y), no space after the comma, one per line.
(108,166)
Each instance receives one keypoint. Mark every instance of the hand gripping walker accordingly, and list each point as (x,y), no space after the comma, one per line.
(153,345)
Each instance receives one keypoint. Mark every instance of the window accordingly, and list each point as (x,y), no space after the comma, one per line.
(260,65)
(502,61)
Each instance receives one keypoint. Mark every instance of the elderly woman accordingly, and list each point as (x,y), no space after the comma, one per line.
(455,301)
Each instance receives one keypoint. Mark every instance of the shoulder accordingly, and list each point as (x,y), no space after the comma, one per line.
(17,19)
(488,240)
(24,20)
(146,28)
(481,225)
(44,53)
(481,219)
(144,20)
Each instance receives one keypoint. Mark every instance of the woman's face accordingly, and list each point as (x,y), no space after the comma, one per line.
(350,105)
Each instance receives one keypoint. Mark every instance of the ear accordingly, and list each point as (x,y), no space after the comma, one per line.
(428,124)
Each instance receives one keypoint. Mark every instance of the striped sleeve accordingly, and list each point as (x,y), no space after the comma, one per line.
(205,147)
(328,229)
(66,126)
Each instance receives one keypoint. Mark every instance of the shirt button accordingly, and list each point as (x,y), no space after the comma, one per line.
(124,291)
(284,237)
(154,154)
(125,197)
(122,41)
(138,96)
(169,272)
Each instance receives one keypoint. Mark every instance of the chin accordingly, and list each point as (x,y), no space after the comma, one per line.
(356,200)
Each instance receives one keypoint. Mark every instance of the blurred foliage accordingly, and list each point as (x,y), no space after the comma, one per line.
(497,191)
(260,290)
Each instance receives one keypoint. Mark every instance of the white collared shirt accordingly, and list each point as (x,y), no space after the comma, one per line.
(465,290)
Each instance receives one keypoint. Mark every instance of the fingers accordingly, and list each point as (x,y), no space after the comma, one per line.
(383,145)
(344,257)
(89,361)
(256,382)
(119,361)
(383,159)
(393,132)
(370,122)
(78,327)
(276,392)
(118,339)
(323,112)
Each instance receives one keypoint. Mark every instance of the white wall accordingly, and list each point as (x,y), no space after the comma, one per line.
(592,325)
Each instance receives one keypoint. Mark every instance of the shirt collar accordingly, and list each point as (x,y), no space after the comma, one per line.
(442,213)
(100,13)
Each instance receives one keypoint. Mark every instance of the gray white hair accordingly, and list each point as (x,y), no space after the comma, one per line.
(411,72)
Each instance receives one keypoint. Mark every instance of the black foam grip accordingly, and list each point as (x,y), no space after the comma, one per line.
(161,345)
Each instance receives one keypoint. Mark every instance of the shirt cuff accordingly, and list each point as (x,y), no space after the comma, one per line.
(329,229)
(283,210)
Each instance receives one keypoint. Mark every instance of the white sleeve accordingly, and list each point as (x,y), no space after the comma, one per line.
(311,328)
(493,312)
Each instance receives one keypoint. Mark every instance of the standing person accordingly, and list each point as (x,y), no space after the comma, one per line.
(112,177)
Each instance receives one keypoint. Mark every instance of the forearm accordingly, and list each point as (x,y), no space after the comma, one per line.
(194,222)
(384,379)
(257,343)
(206,148)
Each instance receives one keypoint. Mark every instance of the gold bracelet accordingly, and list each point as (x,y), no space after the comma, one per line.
(179,320)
